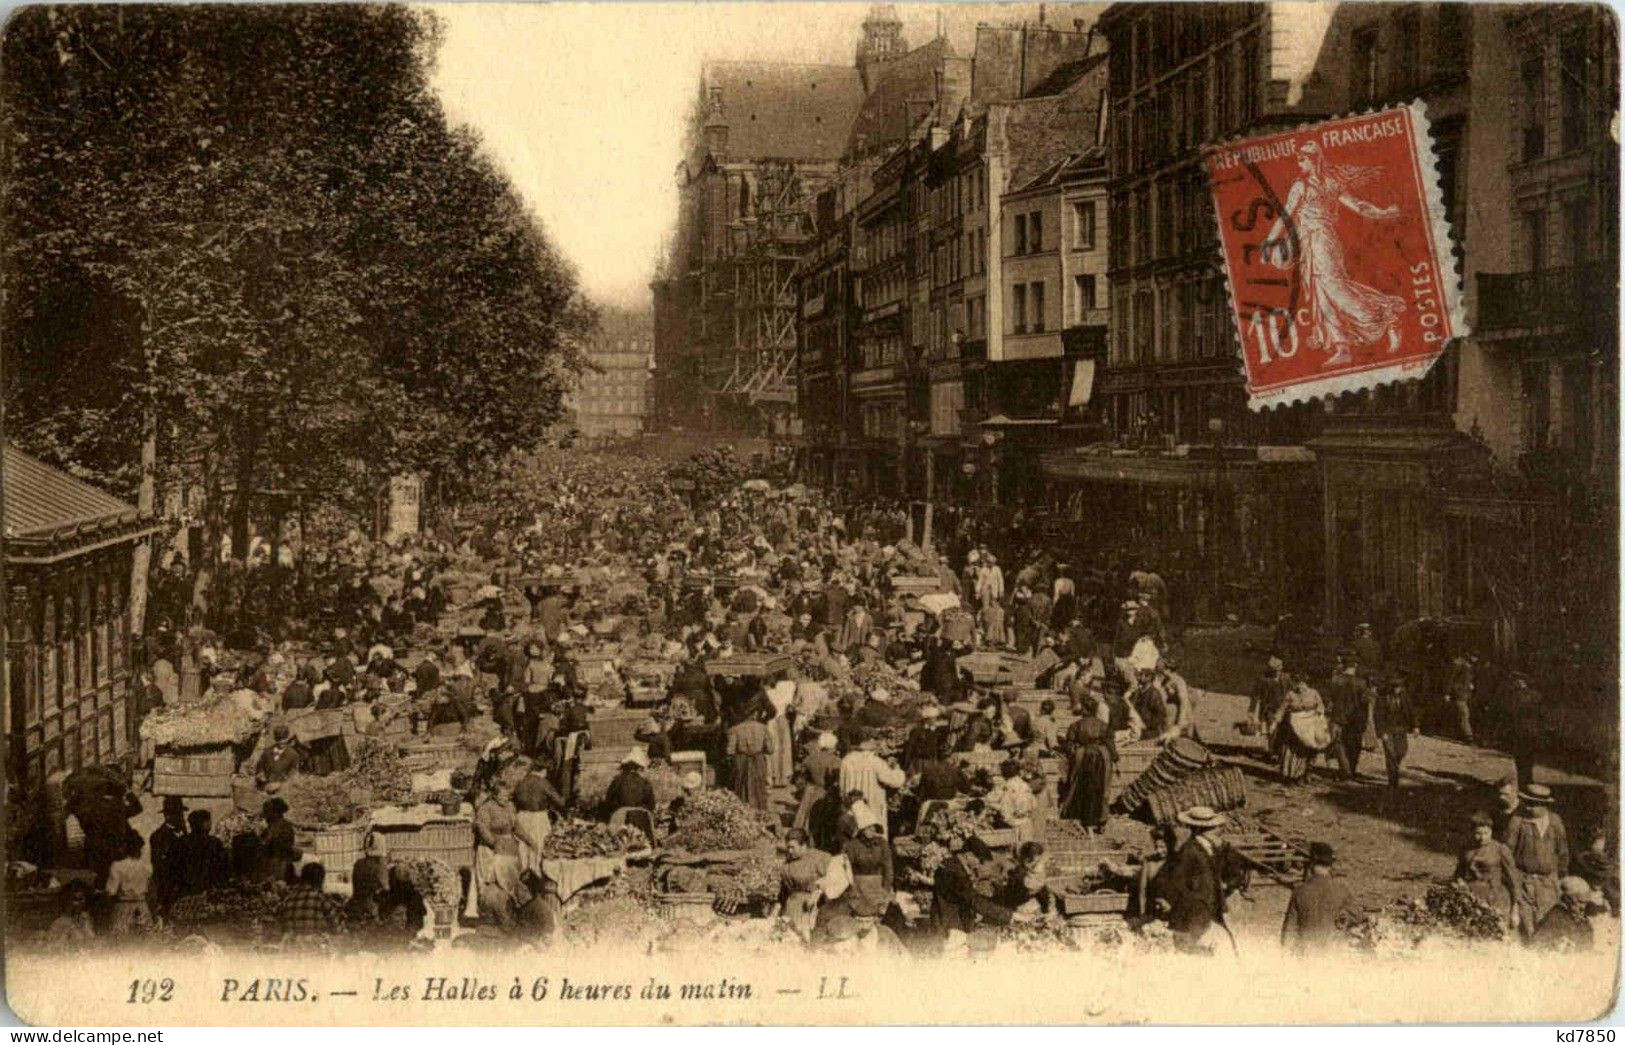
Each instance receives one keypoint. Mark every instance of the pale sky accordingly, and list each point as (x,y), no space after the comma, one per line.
(584,104)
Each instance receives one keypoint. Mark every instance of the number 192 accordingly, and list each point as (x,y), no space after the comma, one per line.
(146,992)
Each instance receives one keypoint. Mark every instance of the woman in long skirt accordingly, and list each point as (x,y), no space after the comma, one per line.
(749,745)
(496,856)
(1094,756)
(1295,754)
(781,763)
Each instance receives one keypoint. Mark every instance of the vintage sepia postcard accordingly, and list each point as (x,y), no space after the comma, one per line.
(838,514)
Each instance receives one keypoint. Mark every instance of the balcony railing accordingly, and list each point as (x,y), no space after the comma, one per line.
(1580,295)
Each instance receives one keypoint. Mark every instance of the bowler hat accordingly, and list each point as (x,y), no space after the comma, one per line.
(174,804)
(1322,853)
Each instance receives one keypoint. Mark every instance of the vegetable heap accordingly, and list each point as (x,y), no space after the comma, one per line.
(574,839)
(316,801)
(1447,912)
(220,721)
(717,819)
(435,880)
(244,904)
(380,769)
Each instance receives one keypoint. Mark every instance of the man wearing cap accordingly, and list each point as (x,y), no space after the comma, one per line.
(167,874)
(1367,650)
(281,760)
(1190,888)
(1565,926)
(1269,693)
(1350,704)
(1540,849)
(1317,904)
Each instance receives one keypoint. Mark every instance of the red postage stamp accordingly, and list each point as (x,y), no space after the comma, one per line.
(1338,255)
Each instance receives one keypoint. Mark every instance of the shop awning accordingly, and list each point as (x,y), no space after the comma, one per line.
(1083,383)
(1100,464)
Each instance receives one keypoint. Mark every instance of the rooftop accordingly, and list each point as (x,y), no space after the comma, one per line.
(782,110)
(44,506)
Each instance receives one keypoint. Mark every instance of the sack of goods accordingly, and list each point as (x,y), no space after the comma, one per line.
(1311,729)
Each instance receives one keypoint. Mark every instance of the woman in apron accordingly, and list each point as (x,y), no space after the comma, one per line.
(1301,708)
(496,856)
(535,800)
(870,856)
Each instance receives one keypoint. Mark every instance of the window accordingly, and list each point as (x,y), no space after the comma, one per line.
(1036,290)
(1018,308)
(1083,215)
(1363,67)
(1534,105)
(1537,406)
(1021,234)
(1534,234)
(1035,230)
(1407,51)
(1083,296)
(1572,66)
(1576,224)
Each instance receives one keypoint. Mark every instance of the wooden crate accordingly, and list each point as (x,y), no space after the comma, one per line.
(335,848)
(450,841)
(1093,903)
(194,772)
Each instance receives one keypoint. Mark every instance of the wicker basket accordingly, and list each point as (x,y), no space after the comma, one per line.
(246,796)
(999,837)
(335,848)
(449,841)
(202,772)
(433,753)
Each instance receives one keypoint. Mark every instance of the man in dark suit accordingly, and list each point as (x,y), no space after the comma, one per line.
(955,903)
(1317,904)
(1189,890)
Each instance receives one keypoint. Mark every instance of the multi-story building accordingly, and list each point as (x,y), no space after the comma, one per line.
(764,140)
(1434,497)
(614,396)
(920,250)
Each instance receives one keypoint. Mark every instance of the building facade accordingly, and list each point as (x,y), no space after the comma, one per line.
(615,395)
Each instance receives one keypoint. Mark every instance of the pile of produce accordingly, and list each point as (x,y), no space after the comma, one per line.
(244,904)
(378,768)
(204,724)
(233,824)
(717,819)
(435,880)
(316,801)
(944,832)
(573,839)
(1447,913)
(713,472)
(1049,933)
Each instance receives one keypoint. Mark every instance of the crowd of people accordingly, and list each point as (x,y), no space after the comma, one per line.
(852,702)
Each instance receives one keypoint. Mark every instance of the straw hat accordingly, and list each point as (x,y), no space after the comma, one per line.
(636,757)
(865,817)
(1202,818)
(1535,794)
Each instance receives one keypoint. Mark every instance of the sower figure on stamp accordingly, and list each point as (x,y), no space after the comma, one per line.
(1344,313)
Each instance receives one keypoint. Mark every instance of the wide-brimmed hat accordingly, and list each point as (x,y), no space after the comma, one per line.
(1322,853)
(1535,794)
(865,817)
(1202,818)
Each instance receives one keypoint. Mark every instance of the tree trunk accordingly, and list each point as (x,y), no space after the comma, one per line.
(146,505)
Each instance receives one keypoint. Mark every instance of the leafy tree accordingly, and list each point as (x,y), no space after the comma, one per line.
(249,238)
